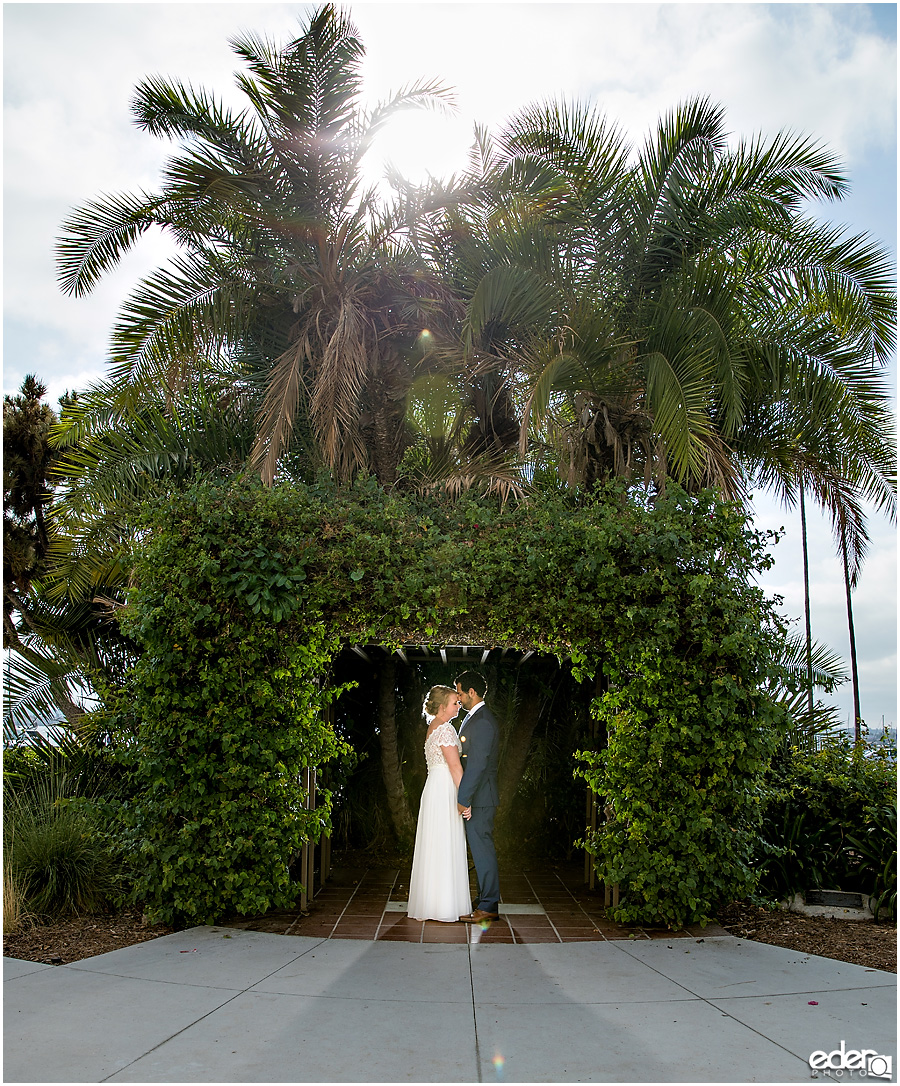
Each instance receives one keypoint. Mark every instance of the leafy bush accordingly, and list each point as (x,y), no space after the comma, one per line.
(231,714)
(63,843)
(831,820)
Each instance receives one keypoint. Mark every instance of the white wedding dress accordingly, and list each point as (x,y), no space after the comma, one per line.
(439,883)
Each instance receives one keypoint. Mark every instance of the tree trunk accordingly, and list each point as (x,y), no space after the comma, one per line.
(805,539)
(390,753)
(515,756)
(857,715)
(387,394)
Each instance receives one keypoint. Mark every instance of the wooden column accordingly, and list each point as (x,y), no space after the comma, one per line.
(310,872)
(590,875)
(308,851)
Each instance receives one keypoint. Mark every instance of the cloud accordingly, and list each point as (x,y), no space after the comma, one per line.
(815,67)
(819,68)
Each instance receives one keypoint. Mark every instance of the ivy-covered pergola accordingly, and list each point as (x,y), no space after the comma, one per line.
(244,596)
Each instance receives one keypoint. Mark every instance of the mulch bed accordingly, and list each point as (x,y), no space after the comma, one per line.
(77,937)
(859,942)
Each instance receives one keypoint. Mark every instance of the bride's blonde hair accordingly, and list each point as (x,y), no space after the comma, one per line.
(436,699)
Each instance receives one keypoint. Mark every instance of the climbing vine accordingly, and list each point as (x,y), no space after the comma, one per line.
(244,594)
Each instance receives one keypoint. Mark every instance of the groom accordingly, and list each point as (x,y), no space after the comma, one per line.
(480,738)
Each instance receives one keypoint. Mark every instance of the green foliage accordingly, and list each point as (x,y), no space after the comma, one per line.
(239,584)
(831,820)
(27,493)
(63,806)
(230,709)
(55,850)
(81,764)
(691,724)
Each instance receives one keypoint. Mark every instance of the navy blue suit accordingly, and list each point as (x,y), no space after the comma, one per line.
(480,737)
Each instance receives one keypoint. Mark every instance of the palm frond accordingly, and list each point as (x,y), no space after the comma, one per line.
(828,672)
(33,686)
(509,299)
(98,236)
(171,109)
(279,409)
(179,317)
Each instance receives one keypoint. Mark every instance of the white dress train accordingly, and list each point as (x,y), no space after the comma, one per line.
(439,883)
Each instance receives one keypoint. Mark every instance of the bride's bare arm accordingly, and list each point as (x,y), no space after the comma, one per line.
(451,757)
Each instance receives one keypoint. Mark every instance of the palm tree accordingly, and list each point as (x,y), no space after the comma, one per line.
(854,670)
(803,662)
(804,541)
(291,279)
(685,318)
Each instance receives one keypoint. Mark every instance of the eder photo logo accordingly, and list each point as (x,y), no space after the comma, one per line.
(859,1062)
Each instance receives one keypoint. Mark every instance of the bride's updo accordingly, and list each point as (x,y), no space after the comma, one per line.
(435,700)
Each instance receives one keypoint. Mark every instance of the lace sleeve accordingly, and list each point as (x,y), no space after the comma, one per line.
(447,737)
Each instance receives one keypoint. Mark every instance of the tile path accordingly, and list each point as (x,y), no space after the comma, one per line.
(549,904)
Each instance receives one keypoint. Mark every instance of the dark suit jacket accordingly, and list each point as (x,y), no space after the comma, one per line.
(480,758)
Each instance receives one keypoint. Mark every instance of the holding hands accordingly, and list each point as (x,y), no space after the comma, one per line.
(466,812)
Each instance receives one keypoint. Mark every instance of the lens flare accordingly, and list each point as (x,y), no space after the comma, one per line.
(498,1062)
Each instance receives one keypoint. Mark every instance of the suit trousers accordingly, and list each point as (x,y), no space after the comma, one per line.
(480,835)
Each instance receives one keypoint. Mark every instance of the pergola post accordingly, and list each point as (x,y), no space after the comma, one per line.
(307,852)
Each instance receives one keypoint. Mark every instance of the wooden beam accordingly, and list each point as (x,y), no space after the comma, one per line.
(485,655)
(525,657)
(444,655)
(402,654)
(359,652)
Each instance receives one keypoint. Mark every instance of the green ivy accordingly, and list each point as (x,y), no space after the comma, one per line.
(231,714)
(244,595)
(691,728)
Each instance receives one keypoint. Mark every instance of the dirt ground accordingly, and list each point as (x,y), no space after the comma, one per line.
(859,942)
(77,937)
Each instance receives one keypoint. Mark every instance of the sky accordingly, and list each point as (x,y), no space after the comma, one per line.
(827,70)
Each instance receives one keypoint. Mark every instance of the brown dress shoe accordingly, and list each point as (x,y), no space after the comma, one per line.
(477,915)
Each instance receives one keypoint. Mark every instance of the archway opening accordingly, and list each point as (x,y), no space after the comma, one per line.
(544,716)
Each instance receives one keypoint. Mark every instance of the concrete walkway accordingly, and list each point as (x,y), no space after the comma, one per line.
(215,1004)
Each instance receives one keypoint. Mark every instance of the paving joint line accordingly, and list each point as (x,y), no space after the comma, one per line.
(196,1021)
(543,906)
(724,1014)
(480,1077)
(347,905)
(387,900)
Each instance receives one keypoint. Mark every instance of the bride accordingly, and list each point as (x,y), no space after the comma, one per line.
(439,883)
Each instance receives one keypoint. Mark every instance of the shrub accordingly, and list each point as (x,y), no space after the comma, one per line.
(831,819)
(54,853)
(691,725)
(231,713)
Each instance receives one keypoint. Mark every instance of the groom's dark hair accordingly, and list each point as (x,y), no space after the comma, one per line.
(472,680)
